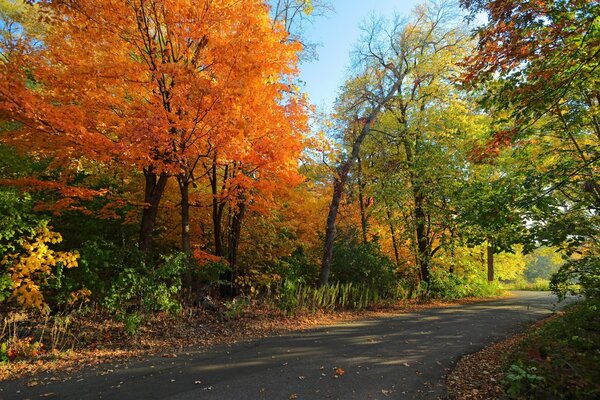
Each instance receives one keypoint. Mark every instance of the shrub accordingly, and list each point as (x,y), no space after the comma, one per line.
(361,263)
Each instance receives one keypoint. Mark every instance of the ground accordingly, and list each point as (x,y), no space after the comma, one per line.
(399,356)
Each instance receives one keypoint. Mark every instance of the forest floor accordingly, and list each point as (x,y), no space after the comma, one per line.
(406,350)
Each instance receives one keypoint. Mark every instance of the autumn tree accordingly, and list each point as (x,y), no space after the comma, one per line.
(537,63)
(155,85)
(403,86)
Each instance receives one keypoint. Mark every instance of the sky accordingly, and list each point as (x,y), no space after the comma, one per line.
(337,33)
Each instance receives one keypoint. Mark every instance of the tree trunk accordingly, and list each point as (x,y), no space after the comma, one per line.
(184,188)
(393,233)
(229,289)
(338,190)
(234,235)
(153,191)
(423,248)
(339,183)
(363,207)
(218,208)
(490,262)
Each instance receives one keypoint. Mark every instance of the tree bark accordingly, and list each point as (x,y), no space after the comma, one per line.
(393,233)
(217,211)
(422,244)
(184,188)
(229,289)
(338,190)
(154,188)
(490,262)
(363,206)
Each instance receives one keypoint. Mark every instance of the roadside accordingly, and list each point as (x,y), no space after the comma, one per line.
(388,355)
(558,357)
(91,339)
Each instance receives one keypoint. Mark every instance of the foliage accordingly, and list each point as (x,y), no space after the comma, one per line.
(578,275)
(361,263)
(560,359)
(294,297)
(31,267)
(542,263)
(538,284)
(448,286)
(298,267)
(522,381)
(146,287)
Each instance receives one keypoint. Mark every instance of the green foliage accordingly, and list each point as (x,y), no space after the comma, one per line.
(132,323)
(448,286)
(578,276)
(538,284)
(561,359)
(235,308)
(148,288)
(17,219)
(361,263)
(297,267)
(124,280)
(293,297)
(210,272)
(522,380)
(5,286)
(542,263)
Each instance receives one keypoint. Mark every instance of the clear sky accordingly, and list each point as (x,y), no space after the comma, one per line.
(337,33)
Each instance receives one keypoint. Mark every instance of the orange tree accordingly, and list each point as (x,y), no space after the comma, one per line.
(159,86)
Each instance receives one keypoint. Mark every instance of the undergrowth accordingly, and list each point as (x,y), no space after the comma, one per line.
(559,360)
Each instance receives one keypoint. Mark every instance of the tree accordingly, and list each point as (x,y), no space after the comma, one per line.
(152,84)
(407,75)
(551,101)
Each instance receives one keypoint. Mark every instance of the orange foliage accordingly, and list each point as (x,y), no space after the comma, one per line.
(156,83)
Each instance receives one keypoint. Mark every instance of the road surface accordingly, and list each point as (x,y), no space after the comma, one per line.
(400,357)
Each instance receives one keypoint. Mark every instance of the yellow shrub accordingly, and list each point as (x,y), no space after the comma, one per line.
(33,265)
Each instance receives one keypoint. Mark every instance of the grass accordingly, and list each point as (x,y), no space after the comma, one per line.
(538,284)
(560,359)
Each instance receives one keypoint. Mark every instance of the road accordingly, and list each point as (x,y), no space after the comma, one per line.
(400,357)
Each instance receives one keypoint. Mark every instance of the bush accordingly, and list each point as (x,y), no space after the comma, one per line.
(143,287)
(361,263)
(448,286)
(297,267)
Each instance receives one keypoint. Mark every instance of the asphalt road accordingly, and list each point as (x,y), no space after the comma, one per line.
(400,357)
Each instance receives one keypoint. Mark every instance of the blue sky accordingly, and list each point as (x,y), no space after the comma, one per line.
(337,33)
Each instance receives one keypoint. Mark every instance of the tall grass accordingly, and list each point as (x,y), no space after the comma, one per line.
(294,297)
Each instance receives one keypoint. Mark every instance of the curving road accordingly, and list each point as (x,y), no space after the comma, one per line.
(400,357)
